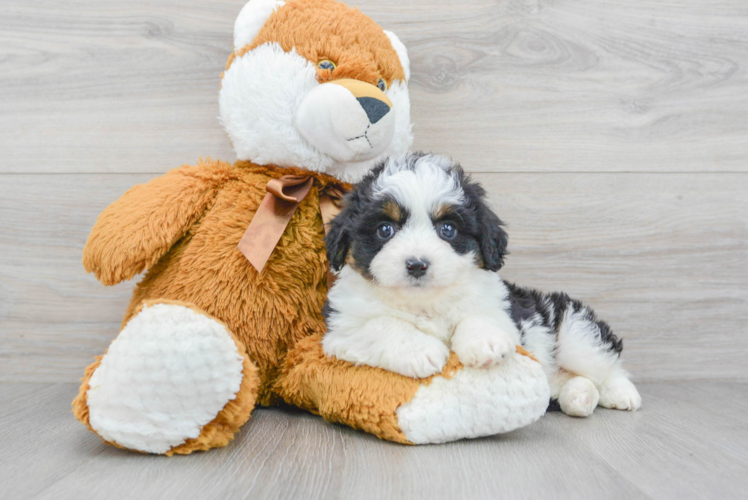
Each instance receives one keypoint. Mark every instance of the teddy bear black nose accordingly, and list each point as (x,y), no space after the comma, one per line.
(416,267)
(375,109)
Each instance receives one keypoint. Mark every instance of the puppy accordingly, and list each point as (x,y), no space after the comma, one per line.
(418,250)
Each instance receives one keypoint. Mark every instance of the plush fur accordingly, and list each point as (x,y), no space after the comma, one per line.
(279,107)
(125,407)
(216,433)
(187,241)
(200,295)
(184,227)
(423,211)
(456,403)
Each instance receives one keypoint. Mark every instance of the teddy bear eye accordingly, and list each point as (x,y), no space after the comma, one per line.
(326,64)
(382,85)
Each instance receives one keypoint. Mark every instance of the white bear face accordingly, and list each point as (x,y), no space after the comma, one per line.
(317,98)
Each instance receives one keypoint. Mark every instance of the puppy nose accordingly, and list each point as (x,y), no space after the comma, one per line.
(416,267)
(375,109)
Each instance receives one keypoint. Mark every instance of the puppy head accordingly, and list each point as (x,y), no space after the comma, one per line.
(416,221)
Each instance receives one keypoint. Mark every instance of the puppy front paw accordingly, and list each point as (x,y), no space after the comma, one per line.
(620,394)
(422,361)
(482,349)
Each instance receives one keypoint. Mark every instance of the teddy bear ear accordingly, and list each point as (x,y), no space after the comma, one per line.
(252,18)
(402,52)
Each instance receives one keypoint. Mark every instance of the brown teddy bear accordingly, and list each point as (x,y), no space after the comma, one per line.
(228,314)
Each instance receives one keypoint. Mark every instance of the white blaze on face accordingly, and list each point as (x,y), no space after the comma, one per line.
(421,191)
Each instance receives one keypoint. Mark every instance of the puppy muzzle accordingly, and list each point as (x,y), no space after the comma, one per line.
(349,120)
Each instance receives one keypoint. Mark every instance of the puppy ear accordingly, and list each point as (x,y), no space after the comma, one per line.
(492,238)
(338,240)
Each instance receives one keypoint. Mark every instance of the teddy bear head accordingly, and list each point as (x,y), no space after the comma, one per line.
(315,84)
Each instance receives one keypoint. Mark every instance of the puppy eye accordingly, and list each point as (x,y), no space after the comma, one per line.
(385,231)
(326,64)
(447,231)
(382,85)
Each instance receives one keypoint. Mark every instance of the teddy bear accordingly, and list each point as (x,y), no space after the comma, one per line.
(229,312)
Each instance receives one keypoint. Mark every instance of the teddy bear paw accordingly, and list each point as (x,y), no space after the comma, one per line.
(170,372)
(474,402)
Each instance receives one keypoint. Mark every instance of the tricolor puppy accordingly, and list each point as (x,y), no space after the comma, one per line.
(418,250)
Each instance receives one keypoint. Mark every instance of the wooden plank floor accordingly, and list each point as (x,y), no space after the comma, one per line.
(612,137)
(689,441)
(509,85)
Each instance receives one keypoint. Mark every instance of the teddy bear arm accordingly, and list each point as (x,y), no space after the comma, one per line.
(135,231)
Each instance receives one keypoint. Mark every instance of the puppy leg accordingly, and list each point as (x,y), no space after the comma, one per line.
(620,393)
(479,341)
(389,343)
(578,397)
(587,347)
(568,340)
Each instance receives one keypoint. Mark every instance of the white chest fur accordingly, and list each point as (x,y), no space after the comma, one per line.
(410,330)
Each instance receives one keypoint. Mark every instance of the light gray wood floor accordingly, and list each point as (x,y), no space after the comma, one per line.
(612,137)
(689,441)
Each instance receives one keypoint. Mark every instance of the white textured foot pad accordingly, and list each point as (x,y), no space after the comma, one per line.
(169,372)
(476,402)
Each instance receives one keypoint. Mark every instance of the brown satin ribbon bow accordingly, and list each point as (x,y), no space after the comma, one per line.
(274,213)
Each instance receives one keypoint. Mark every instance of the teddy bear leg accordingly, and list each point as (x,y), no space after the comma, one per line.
(175,380)
(458,403)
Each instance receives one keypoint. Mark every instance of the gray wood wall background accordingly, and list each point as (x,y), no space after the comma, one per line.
(612,137)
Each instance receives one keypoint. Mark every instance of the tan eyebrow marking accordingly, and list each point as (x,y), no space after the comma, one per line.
(442,211)
(392,210)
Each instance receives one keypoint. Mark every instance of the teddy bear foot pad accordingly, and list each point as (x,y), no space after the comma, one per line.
(168,374)
(476,402)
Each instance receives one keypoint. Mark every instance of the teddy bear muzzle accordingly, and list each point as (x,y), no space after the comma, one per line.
(347,119)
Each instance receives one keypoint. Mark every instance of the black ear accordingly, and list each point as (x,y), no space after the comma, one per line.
(337,240)
(492,238)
